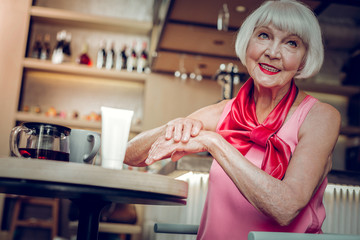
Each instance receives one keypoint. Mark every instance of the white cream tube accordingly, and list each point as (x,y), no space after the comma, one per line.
(115,130)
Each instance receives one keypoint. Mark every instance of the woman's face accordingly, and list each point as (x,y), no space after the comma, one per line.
(273,56)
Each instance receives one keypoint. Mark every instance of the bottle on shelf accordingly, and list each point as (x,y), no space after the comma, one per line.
(142,62)
(84,57)
(110,56)
(45,50)
(67,47)
(121,59)
(36,50)
(132,59)
(58,55)
(101,55)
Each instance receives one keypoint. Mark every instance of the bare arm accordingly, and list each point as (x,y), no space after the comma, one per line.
(281,200)
(310,163)
(180,129)
(138,147)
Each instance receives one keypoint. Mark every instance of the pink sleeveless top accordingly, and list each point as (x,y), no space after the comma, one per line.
(228,215)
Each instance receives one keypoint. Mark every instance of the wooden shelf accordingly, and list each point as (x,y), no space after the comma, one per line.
(35,223)
(330,89)
(114,227)
(81,20)
(350,131)
(72,123)
(83,70)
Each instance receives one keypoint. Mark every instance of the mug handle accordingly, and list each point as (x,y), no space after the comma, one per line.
(14,139)
(95,149)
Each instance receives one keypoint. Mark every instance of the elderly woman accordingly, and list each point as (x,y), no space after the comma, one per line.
(271,144)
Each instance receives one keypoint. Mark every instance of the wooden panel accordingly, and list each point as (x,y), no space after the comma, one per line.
(200,40)
(168,97)
(114,227)
(206,11)
(83,70)
(169,62)
(14,23)
(69,18)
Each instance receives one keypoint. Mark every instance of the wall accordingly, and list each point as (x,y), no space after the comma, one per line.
(13,30)
(168,97)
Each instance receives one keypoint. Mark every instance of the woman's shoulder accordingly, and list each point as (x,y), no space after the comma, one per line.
(218,108)
(320,109)
(325,111)
(322,117)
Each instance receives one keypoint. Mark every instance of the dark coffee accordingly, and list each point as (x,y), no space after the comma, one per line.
(44,154)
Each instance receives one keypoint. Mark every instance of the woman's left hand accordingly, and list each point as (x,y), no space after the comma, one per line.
(182,129)
(163,148)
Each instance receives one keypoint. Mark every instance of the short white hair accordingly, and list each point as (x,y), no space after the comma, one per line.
(291,16)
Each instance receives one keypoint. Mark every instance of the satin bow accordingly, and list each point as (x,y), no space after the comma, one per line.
(242,129)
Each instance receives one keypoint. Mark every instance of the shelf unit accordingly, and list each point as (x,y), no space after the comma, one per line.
(75,123)
(67,18)
(82,70)
(59,18)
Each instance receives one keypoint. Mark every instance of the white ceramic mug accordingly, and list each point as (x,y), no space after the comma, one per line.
(84,145)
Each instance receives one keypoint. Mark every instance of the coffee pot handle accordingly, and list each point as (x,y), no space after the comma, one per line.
(14,141)
(97,141)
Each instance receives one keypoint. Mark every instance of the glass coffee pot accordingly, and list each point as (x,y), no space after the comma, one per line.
(40,140)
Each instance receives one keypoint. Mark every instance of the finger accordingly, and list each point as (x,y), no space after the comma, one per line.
(160,150)
(151,154)
(148,161)
(152,157)
(177,155)
(178,132)
(197,126)
(186,132)
(169,132)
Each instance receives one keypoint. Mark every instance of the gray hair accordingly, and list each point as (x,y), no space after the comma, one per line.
(291,16)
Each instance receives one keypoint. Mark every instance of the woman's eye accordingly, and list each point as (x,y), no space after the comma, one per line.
(292,43)
(263,36)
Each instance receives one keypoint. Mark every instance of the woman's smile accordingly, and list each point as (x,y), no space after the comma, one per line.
(268,69)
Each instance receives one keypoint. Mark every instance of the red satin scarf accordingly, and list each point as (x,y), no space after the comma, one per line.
(242,129)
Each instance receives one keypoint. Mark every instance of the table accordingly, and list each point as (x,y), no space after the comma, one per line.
(91,187)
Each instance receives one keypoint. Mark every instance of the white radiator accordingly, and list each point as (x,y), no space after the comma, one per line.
(342,204)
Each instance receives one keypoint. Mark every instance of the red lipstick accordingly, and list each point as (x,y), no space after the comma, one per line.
(267,69)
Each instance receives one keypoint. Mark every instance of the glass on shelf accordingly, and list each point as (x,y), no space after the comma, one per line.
(37,47)
(84,57)
(45,50)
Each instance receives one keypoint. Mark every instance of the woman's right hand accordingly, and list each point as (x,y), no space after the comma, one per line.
(181,129)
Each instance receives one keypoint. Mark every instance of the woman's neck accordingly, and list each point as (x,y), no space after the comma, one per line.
(266,99)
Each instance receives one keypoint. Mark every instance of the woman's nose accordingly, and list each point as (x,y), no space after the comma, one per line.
(273,50)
